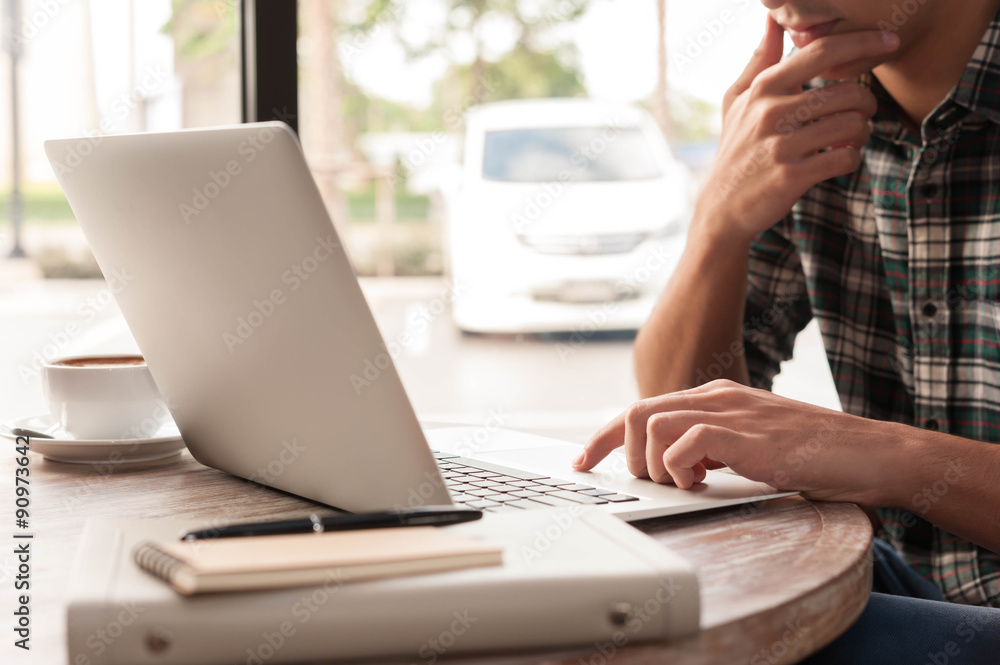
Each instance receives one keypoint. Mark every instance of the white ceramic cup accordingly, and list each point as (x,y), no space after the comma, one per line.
(104,397)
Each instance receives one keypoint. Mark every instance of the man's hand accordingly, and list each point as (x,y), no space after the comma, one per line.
(827,455)
(778,141)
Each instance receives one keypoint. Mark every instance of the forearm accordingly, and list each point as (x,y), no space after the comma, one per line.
(952,482)
(760,171)
(700,313)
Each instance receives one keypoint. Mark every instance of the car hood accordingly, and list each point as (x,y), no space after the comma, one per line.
(575,209)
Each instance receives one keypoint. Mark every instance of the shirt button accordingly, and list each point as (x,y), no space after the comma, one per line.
(932,425)
(929,309)
(929,190)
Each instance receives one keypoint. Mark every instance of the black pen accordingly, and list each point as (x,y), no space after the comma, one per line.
(424,516)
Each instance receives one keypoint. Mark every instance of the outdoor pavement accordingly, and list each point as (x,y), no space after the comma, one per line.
(542,383)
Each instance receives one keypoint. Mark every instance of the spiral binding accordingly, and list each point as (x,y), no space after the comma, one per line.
(151,558)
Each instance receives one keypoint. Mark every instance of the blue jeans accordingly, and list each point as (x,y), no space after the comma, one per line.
(908,621)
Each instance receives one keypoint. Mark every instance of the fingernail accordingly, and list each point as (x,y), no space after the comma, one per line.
(891,39)
(579,460)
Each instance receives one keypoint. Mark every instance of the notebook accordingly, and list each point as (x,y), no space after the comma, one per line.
(271,562)
(570,577)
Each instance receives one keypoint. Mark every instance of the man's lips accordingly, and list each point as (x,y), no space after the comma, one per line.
(803,35)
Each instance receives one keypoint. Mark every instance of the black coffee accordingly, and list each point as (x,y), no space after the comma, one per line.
(102,361)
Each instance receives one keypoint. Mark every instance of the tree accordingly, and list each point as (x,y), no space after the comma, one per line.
(535,26)
(206,58)
(520,74)
(659,104)
(323,86)
(12,15)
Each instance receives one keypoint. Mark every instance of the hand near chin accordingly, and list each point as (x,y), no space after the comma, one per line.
(777,140)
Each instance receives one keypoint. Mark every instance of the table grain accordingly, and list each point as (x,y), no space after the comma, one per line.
(779,579)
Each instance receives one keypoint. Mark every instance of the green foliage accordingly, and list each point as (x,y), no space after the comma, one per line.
(409,207)
(46,203)
(42,202)
(520,74)
(534,20)
(541,62)
(207,27)
(366,113)
(695,120)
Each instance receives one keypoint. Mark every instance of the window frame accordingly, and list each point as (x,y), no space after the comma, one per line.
(269,61)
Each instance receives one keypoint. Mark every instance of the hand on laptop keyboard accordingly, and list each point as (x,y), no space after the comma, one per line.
(496,488)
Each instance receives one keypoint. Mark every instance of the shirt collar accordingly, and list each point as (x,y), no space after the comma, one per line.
(977,90)
(886,121)
(979,87)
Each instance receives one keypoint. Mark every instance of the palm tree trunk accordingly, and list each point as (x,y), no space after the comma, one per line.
(661,108)
(13,15)
(90,109)
(324,87)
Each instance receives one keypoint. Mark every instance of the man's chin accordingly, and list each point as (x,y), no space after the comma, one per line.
(852,70)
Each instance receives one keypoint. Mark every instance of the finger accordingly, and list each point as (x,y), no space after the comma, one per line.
(629,428)
(635,438)
(767,55)
(849,128)
(673,408)
(832,99)
(683,458)
(615,433)
(829,52)
(601,444)
(658,439)
(829,164)
(664,429)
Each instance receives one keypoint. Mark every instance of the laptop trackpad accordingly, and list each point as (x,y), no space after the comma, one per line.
(553,457)
(612,473)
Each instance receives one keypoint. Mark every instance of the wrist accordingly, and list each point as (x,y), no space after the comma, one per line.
(916,463)
(714,232)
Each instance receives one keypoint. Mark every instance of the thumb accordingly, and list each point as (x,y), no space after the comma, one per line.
(767,55)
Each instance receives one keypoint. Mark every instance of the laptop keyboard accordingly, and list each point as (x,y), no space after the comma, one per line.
(496,489)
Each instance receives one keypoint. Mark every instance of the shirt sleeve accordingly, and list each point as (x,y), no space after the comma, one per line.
(777,305)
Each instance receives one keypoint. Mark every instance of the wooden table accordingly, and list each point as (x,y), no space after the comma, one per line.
(779,578)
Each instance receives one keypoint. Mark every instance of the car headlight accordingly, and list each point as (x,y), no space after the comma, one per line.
(585,245)
(674,227)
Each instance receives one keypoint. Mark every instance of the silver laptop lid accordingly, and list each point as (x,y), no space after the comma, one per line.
(246,307)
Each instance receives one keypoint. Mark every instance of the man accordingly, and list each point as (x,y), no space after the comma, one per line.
(871,202)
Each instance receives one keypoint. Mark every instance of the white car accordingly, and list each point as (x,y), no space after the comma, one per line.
(570,216)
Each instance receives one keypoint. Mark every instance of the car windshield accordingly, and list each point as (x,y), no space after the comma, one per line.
(579,154)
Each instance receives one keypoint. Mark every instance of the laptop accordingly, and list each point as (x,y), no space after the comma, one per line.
(250,316)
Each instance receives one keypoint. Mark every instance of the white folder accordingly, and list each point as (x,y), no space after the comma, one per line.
(570,577)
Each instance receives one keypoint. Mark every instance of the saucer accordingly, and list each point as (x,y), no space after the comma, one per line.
(64,448)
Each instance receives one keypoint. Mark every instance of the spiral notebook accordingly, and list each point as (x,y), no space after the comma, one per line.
(569,577)
(274,562)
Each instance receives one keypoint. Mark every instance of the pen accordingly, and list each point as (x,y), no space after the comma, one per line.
(424,516)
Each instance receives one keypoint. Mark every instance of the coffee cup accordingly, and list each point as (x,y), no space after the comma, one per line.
(104,397)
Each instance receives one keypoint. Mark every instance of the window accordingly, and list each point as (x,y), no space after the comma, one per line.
(96,68)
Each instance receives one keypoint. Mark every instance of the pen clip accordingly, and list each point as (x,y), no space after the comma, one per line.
(317,522)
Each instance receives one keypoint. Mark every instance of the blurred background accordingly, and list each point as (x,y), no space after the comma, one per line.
(375,78)
(407,116)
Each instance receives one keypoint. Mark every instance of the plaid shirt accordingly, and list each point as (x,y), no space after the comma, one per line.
(900,264)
